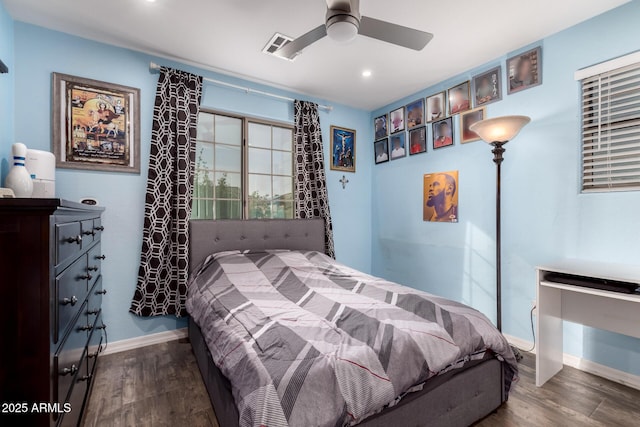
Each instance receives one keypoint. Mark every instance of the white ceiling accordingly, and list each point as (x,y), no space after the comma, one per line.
(228,36)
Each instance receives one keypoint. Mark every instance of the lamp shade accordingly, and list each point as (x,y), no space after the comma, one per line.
(499,129)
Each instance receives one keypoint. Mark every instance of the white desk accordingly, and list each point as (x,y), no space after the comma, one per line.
(611,311)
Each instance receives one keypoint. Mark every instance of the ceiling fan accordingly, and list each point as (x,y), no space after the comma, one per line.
(344,22)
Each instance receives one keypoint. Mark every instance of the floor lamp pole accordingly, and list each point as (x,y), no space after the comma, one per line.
(498,151)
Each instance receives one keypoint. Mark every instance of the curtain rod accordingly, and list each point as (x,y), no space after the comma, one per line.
(155,67)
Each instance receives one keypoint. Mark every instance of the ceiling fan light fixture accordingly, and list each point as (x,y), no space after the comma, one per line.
(343,28)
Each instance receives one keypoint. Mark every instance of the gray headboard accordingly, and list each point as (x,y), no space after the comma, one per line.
(209,236)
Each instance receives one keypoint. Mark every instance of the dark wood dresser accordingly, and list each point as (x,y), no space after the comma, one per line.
(51,293)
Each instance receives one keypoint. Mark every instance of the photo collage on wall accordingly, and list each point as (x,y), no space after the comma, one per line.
(407,130)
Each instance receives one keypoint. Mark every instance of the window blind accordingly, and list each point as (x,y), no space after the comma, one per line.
(611,130)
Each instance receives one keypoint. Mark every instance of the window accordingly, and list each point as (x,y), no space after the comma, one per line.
(611,126)
(244,168)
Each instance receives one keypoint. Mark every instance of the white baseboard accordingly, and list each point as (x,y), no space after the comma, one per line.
(145,340)
(585,365)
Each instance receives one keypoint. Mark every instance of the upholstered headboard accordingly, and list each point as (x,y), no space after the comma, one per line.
(208,236)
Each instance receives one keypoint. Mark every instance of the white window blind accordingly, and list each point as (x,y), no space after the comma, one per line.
(611,130)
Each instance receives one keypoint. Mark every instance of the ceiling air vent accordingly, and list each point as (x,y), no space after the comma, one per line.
(277,41)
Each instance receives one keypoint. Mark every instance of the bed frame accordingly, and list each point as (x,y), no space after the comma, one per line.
(458,398)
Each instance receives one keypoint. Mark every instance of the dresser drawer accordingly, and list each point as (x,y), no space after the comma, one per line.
(68,241)
(94,302)
(88,233)
(98,228)
(94,346)
(67,361)
(71,291)
(76,398)
(94,263)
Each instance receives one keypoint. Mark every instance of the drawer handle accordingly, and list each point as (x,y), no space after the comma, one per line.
(72,370)
(94,268)
(84,378)
(86,276)
(101,257)
(89,233)
(92,312)
(103,326)
(99,228)
(85,328)
(73,300)
(102,292)
(77,239)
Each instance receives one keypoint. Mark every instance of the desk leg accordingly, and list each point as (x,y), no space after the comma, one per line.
(549,352)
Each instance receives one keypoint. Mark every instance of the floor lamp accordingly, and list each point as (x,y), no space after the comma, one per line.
(497,132)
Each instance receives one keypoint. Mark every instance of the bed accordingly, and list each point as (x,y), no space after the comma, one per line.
(458,393)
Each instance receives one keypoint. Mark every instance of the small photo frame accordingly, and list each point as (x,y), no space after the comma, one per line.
(436,107)
(381,127)
(524,70)
(487,87)
(418,140)
(396,120)
(398,145)
(381,151)
(459,98)
(442,133)
(466,120)
(415,113)
(343,149)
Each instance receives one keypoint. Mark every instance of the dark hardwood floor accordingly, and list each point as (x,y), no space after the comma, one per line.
(160,385)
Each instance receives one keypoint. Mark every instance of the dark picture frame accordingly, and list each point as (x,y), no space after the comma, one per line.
(432,113)
(343,149)
(524,70)
(467,119)
(442,133)
(398,146)
(415,113)
(418,140)
(96,125)
(459,98)
(381,127)
(487,87)
(397,121)
(381,151)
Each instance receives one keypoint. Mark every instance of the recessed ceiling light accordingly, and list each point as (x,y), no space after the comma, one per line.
(366,73)
(151,1)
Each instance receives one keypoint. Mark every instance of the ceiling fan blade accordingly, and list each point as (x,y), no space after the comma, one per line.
(292,49)
(394,34)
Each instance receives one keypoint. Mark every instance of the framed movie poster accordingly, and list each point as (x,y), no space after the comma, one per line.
(487,87)
(95,125)
(459,98)
(380,127)
(381,151)
(415,113)
(440,197)
(343,149)
(525,70)
(466,120)
(442,133)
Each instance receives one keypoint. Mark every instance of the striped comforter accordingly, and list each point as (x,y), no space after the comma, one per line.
(306,341)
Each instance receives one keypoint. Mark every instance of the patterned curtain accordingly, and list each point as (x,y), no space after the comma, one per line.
(312,200)
(162,276)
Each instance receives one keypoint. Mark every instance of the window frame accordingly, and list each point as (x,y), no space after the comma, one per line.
(244,153)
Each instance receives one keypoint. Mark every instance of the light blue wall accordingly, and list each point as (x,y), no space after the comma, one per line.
(545,217)
(39,52)
(6,91)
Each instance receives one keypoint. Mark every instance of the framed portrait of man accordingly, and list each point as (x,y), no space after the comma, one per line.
(398,145)
(459,98)
(487,87)
(418,140)
(442,133)
(524,70)
(436,107)
(467,119)
(415,113)
(380,127)
(381,151)
(396,120)
(440,197)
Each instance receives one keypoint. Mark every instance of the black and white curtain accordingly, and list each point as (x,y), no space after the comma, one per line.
(310,180)
(162,276)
